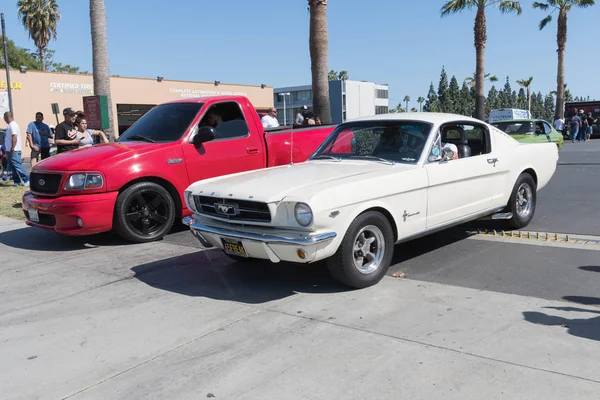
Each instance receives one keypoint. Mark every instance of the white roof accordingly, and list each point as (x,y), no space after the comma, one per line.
(432,117)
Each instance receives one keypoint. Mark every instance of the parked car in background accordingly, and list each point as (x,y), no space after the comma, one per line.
(374,182)
(136,184)
(531,131)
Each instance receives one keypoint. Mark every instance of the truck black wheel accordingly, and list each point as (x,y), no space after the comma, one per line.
(522,202)
(144,212)
(365,254)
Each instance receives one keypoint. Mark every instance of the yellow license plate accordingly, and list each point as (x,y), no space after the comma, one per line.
(234,247)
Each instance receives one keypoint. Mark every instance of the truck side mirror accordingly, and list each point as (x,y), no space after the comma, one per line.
(204,134)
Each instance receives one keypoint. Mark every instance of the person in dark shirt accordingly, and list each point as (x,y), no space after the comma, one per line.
(65,136)
(590,130)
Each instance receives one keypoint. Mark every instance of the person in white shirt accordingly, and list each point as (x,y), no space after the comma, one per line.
(559,125)
(12,143)
(270,120)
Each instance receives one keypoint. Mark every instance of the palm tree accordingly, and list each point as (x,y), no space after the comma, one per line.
(526,83)
(406,99)
(40,18)
(480,31)
(563,7)
(319,47)
(343,75)
(420,100)
(100,57)
(332,75)
(471,79)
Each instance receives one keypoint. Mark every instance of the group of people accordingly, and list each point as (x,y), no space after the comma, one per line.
(303,118)
(70,134)
(580,126)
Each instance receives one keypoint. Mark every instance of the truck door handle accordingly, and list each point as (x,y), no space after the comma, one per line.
(251,150)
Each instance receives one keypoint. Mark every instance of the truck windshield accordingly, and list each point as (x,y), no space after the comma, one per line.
(164,123)
(394,141)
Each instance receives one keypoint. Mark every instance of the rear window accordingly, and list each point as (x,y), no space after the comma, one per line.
(163,123)
(515,128)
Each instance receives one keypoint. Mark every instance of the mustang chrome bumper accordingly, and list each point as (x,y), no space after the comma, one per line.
(275,248)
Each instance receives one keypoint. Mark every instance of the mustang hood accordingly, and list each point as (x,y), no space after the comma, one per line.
(306,179)
(97,157)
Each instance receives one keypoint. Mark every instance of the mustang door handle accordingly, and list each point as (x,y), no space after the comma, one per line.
(250,150)
(492,161)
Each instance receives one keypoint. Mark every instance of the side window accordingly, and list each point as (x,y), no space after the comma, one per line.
(478,139)
(547,128)
(471,140)
(539,128)
(227,119)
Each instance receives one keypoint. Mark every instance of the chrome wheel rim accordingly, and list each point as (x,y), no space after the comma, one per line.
(524,200)
(368,249)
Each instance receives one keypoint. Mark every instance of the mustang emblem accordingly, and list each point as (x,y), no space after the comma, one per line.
(42,182)
(226,209)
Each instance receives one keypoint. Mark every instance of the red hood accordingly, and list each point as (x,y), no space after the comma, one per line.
(99,157)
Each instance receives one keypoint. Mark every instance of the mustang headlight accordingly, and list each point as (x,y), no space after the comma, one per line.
(303,214)
(84,181)
(190,202)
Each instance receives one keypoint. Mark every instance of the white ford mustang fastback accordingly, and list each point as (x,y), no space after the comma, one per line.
(374,182)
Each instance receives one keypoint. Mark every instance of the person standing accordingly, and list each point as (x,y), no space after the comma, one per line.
(559,125)
(270,120)
(590,130)
(65,136)
(574,127)
(12,143)
(38,135)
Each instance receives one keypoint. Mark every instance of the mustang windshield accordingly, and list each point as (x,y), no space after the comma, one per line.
(515,128)
(164,123)
(377,141)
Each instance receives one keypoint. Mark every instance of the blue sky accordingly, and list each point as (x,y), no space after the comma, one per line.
(402,43)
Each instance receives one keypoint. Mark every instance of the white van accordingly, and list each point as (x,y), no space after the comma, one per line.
(508,114)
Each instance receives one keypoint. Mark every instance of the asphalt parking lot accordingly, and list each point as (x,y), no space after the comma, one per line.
(475,316)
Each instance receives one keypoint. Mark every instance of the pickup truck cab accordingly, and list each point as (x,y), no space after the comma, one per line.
(135,185)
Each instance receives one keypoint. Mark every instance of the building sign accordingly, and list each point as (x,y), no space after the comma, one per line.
(204,93)
(13,85)
(65,87)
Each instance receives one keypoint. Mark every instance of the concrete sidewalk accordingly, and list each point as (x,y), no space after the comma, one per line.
(95,318)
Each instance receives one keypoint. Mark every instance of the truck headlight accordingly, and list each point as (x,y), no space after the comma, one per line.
(84,181)
(303,214)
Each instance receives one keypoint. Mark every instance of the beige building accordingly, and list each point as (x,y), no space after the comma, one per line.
(131,97)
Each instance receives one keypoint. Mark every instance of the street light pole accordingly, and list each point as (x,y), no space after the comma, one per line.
(10,106)
(284,108)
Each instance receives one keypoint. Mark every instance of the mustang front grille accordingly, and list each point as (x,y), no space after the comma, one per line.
(233,209)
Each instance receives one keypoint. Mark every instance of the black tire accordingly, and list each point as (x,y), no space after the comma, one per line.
(144,212)
(342,264)
(525,186)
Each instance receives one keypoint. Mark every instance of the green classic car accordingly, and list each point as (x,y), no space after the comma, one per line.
(530,131)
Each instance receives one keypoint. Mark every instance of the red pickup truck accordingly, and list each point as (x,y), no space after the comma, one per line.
(136,184)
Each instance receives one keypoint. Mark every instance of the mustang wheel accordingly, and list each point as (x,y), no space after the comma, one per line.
(365,254)
(522,202)
(144,212)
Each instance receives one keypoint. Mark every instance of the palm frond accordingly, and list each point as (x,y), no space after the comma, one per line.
(506,6)
(541,6)
(584,3)
(456,6)
(545,22)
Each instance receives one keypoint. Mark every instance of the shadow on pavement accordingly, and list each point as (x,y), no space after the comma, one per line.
(417,247)
(210,274)
(591,268)
(31,238)
(580,327)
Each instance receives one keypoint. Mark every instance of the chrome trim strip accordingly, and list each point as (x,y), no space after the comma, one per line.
(305,240)
(450,224)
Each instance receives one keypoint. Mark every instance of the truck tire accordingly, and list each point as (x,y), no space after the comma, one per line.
(522,202)
(144,212)
(369,236)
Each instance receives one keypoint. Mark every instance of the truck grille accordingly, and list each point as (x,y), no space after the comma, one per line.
(45,183)
(242,210)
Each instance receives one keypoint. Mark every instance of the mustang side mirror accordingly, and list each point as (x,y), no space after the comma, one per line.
(448,154)
(204,134)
